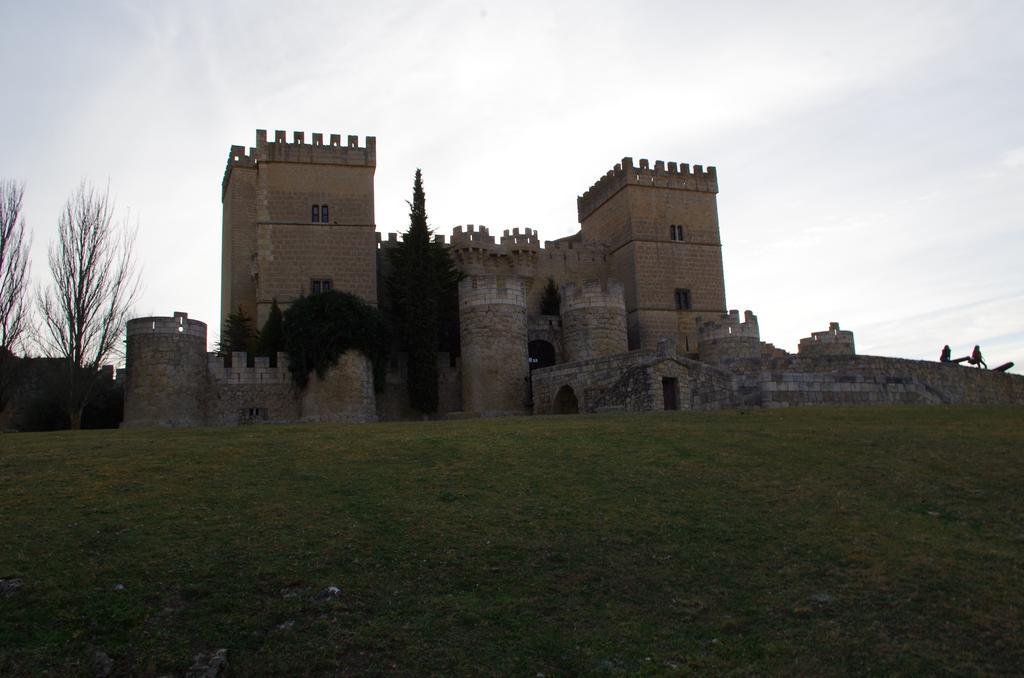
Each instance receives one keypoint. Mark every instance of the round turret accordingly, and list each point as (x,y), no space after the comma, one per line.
(726,338)
(593,320)
(495,367)
(166,376)
(832,342)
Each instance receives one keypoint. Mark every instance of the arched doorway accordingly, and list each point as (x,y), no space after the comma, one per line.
(542,354)
(565,401)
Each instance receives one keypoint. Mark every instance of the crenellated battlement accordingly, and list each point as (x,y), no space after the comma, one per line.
(519,241)
(237,157)
(239,372)
(394,238)
(672,175)
(515,241)
(728,326)
(334,152)
(179,324)
(472,237)
(832,341)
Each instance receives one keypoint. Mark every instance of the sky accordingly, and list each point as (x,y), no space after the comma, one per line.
(870,155)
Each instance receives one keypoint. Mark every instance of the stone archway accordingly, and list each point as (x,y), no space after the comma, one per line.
(542,354)
(566,402)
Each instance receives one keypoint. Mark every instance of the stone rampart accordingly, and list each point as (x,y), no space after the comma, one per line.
(170,380)
(344,394)
(851,380)
(593,319)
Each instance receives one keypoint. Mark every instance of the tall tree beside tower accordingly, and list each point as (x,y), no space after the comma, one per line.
(95,284)
(423,288)
(14,268)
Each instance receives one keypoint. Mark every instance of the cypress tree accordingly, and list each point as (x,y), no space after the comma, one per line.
(272,334)
(551,301)
(423,288)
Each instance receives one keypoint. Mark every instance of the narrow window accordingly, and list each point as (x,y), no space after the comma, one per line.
(318,285)
(323,214)
(672,232)
(679,233)
(683,299)
(316,214)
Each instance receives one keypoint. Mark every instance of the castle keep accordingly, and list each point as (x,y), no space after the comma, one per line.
(643,322)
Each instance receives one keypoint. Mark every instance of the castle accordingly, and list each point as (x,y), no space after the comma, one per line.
(643,321)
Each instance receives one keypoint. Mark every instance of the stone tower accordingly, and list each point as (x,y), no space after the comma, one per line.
(725,338)
(660,226)
(492,326)
(165,362)
(593,319)
(298,218)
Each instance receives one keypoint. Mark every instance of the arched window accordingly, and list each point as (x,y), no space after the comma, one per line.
(323,214)
(316,214)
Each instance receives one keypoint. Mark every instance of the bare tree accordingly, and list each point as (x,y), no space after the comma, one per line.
(14,267)
(95,284)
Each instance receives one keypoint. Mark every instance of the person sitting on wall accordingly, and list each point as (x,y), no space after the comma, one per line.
(946,353)
(976,358)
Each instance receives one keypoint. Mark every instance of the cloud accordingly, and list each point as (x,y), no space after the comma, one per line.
(1013,158)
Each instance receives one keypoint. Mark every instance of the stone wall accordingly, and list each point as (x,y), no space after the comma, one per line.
(272,248)
(725,339)
(833,341)
(238,236)
(240,394)
(633,382)
(170,380)
(847,380)
(166,380)
(660,226)
(492,319)
(393,402)
(345,393)
(291,255)
(476,252)
(593,319)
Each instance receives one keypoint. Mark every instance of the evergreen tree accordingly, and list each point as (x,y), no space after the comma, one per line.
(551,301)
(319,328)
(238,335)
(423,288)
(272,334)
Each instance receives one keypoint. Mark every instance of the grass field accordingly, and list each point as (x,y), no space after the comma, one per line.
(809,541)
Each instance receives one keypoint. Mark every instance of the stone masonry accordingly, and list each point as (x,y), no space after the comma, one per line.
(643,322)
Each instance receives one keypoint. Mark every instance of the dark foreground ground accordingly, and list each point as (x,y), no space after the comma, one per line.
(810,541)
